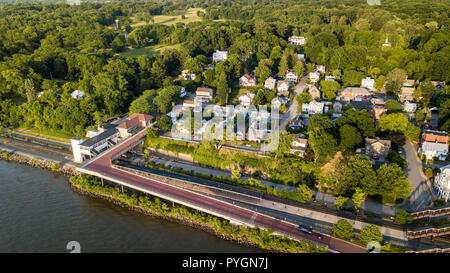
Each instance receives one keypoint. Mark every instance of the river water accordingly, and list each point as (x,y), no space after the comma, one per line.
(39,212)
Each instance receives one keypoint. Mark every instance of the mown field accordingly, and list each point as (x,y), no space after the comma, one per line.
(47,134)
(190,14)
(149,50)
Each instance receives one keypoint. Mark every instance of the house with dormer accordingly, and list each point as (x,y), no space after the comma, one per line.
(299,145)
(314,91)
(314,77)
(220,56)
(434,144)
(204,94)
(291,76)
(297,40)
(377,148)
(270,83)
(283,88)
(246,99)
(247,81)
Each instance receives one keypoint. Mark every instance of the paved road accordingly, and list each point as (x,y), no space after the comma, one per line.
(102,164)
(327,199)
(292,111)
(422,195)
(322,219)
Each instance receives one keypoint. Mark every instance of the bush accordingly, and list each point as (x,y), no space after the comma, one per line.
(343,230)
(440,202)
(55,167)
(6,155)
(370,233)
(261,237)
(429,172)
(402,217)
(394,157)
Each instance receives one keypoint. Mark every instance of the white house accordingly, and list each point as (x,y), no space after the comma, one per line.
(256,135)
(442,183)
(330,78)
(282,86)
(278,101)
(314,76)
(297,40)
(189,104)
(246,99)
(434,150)
(299,145)
(313,107)
(219,56)
(77,94)
(185,75)
(259,116)
(246,80)
(204,94)
(409,107)
(301,56)
(434,144)
(291,76)
(320,68)
(368,83)
(270,83)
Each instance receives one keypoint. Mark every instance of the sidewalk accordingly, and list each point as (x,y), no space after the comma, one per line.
(321,221)
(327,199)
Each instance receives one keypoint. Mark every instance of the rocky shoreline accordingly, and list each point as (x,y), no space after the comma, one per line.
(51,165)
(69,170)
(41,162)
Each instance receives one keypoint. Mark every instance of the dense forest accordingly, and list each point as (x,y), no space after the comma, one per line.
(48,50)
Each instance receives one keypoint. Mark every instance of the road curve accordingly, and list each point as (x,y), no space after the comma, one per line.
(102,164)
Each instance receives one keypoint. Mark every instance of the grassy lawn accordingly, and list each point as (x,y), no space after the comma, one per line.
(236,93)
(149,50)
(55,136)
(190,14)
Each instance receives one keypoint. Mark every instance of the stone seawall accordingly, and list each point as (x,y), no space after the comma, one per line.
(38,161)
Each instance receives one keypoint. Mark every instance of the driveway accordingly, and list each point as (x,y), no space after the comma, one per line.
(422,194)
(292,111)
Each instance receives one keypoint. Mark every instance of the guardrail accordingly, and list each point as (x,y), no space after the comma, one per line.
(428,232)
(307,206)
(430,213)
(226,215)
(432,250)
